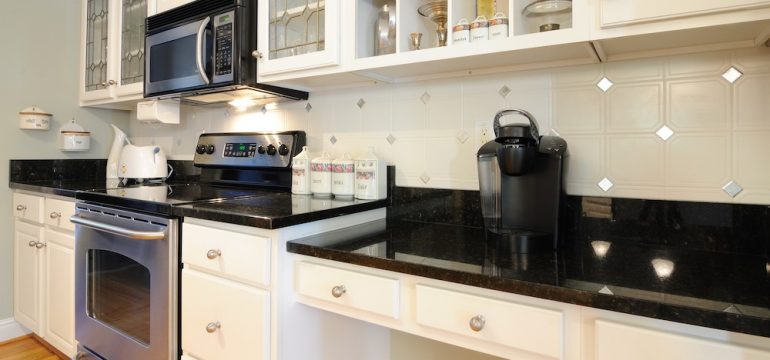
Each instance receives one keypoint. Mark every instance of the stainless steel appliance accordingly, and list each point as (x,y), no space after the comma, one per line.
(206,52)
(127,243)
(520,179)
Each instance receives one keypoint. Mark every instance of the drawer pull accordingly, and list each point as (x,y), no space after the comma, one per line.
(21,208)
(32,243)
(477,323)
(55,215)
(40,245)
(338,290)
(213,254)
(212,327)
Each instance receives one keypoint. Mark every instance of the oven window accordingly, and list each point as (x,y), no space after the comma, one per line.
(173,59)
(118,293)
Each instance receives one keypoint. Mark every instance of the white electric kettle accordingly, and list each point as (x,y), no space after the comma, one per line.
(142,162)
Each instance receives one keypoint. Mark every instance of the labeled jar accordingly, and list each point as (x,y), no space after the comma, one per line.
(461,33)
(321,176)
(300,173)
(479,29)
(498,27)
(343,177)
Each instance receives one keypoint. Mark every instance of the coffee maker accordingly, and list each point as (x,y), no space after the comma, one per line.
(520,180)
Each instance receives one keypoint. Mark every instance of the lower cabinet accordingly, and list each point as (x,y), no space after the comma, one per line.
(29,263)
(223,319)
(59,325)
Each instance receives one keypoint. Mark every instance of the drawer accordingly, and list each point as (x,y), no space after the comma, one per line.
(514,325)
(620,341)
(28,207)
(232,254)
(371,293)
(242,313)
(57,213)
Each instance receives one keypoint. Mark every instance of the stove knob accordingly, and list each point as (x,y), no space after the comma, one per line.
(210,149)
(261,149)
(271,150)
(283,150)
(200,149)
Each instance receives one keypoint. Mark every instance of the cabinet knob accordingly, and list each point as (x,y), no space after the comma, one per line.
(32,243)
(477,323)
(213,254)
(109,83)
(213,326)
(338,290)
(39,245)
(256,54)
(55,215)
(21,208)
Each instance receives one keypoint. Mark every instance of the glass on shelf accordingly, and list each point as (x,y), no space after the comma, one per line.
(132,41)
(296,27)
(436,11)
(545,15)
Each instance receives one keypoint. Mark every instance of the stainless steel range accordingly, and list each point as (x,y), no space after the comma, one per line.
(127,243)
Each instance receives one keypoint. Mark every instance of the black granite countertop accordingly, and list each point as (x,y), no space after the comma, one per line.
(706,265)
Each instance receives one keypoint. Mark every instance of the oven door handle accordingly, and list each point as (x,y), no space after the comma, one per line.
(117,230)
(199,50)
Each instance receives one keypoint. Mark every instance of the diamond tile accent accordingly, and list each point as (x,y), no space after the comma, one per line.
(664,133)
(504,91)
(264,110)
(424,178)
(391,139)
(425,97)
(605,184)
(604,84)
(361,103)
(606,290)
(732,188)
(333,139)
(462,136)
(732,310)
(308,107)
(732,75)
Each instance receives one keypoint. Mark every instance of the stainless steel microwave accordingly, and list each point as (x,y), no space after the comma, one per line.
(205,51)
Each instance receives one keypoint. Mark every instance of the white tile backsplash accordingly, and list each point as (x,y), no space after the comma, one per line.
(721,130)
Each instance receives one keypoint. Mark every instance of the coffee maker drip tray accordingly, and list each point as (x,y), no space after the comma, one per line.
(520,241)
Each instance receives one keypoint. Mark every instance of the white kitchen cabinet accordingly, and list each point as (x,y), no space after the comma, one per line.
(44,265)
(298,35)
(163,5)
(626,12)
(112,55)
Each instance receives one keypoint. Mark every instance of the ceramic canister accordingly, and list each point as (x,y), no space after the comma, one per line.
(371,177)
(498,27)
(461,33)
(321,176)
(300,173)
(343,177)
(479,29)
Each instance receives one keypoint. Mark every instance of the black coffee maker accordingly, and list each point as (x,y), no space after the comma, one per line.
(520,179)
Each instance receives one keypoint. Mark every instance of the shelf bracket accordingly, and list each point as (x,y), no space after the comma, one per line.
(597,51)
(763,38)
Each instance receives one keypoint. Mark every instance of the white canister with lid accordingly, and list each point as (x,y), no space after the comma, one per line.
(300,173)
(461,33)
(498,27)
(343,177)
(34,118)
(480,29)
(371,177)
(321,176)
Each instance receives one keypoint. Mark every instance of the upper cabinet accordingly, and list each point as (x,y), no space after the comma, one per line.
(298,35)
(626,12)
(112,58)
(163,5)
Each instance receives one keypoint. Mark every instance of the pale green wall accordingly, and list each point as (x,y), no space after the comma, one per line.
(40,65)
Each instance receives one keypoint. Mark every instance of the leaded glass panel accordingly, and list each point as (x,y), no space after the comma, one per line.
(97,29)
(296,27)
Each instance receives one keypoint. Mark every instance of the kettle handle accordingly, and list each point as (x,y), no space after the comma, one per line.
(521,112)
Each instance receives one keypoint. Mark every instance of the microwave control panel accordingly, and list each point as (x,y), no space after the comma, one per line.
(223,46)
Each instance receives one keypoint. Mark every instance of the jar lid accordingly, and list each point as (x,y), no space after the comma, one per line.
(34,110)
(547,6)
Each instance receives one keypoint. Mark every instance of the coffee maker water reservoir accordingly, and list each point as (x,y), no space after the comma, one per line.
(520,181)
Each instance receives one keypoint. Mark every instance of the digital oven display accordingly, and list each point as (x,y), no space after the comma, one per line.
(240,149)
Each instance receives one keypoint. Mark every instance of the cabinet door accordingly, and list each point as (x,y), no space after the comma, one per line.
(164,5)
(625,12)
(28,268)
(298,35)
(223,319)
(60,291)
(130,47)
(96,64)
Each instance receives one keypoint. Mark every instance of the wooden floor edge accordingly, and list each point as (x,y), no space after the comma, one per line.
(50,347)
(13,340)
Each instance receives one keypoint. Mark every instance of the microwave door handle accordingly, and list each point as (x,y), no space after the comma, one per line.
(199,51)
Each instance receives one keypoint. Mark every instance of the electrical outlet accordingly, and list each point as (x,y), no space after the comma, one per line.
(484,132)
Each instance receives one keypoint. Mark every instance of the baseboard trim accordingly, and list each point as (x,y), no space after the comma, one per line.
(10,329)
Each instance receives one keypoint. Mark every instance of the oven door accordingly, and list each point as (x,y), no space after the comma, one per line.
(126,283)
(178,58)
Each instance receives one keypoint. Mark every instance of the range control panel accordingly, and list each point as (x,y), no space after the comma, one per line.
(248,150)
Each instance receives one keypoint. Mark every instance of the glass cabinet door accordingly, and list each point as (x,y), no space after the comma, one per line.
(132,41)
(97,34)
